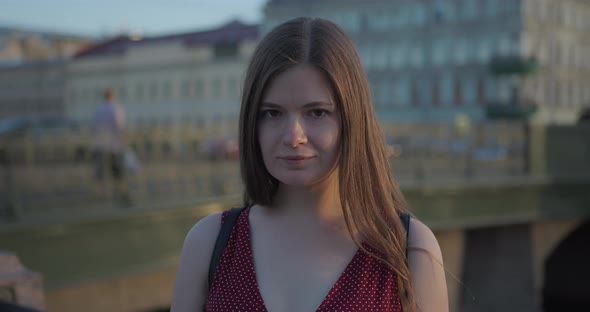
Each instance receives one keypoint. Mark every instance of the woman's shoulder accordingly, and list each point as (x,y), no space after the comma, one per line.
(204,232)
(190,290)
(426,268)
(200,241)
(421,238)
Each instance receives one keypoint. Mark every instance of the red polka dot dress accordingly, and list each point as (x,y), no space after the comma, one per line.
(365,285)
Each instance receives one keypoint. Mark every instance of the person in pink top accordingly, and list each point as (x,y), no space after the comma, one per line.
(325,226)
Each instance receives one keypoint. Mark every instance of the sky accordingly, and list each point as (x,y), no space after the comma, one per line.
(103,18)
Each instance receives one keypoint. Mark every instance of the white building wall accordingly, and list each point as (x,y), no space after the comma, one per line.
(167,82)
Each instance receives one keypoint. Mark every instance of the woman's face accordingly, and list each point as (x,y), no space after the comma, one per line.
(299,127)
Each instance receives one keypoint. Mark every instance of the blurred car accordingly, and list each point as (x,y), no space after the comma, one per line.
(41,138)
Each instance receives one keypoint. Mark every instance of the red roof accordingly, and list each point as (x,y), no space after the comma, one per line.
(232,32)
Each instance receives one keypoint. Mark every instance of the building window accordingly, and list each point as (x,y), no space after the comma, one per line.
(555,94)
(425,92)
(404,17)
(438,52)
(436,93)
(564,94)
(491,8)
(550,91)
(98,95)
(199,89)
(139,91)
(570,94)
(167,90)
(470,8)
(419,14)
(504,45)
(378,21)
(470,47)
(446,88)
(483,52)
(469,91)
(380,60)
(416,56)
(216,88)
(83,95)
(368,56)
(72,98)
(443,12)
(539,88)
(578,95)
(414,98)
(396,57)
(153,91)
(384,93)
(233,88)
(458,96)
(352,22)
(226,50)
(460,52)
(504,90)
(403,91)
(122,93)
(481,91)
(185,89)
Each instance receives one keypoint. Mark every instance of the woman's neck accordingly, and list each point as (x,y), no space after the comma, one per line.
(308,211)
(320,202)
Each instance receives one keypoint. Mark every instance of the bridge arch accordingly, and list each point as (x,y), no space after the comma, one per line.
(567,273)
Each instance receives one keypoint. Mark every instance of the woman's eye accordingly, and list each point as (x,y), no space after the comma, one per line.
(272,113)
(318,112)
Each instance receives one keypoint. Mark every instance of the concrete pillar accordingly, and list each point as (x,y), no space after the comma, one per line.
(452,245)
(497,271)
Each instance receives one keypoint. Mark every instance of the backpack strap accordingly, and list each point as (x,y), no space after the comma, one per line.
(221,241)
(405,217)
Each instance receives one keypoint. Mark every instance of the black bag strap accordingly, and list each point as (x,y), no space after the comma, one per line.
(221,241)
(405,217)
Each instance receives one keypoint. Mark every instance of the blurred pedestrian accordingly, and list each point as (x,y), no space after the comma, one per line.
(109,150)
(325,227)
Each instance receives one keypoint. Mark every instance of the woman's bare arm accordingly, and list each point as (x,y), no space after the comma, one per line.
(190,288)
(426,269)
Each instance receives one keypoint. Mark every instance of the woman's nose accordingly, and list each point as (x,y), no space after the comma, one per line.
(294,133)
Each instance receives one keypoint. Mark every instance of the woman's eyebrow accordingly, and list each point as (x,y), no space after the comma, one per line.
(318,104)
(270,105)
(308,105)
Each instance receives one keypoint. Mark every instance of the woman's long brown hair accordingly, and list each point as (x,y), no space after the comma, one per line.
(370,198)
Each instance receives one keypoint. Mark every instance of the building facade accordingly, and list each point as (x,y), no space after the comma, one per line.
(21,46)
(430,60)
(184,78)
(32,68)
(32,88)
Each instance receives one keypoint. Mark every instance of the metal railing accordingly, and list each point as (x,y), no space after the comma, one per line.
(57,176)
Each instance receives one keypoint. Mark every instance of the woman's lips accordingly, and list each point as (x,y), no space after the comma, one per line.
(296,157)
(297,161)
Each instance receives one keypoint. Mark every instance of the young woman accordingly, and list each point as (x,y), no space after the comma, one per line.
(321,230)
